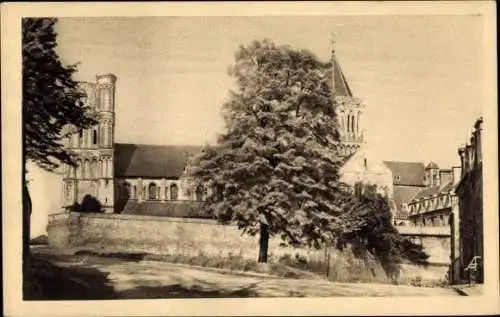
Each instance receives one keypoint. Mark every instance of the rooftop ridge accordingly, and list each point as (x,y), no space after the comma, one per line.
(162,145)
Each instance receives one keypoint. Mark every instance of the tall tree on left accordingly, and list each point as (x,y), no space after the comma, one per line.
(52,102)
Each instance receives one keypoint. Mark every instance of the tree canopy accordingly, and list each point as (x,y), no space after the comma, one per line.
(275,169)
(52,100)
(276,163)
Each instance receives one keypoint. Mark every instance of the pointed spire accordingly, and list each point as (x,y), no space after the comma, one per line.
(339,83)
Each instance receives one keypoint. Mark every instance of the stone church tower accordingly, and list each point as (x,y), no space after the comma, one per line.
(349,111)
(94,148)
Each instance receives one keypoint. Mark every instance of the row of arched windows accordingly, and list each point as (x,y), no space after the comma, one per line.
(350,123)
(153,192)
(97,136)
(434,221)
(90,168)
(353,123)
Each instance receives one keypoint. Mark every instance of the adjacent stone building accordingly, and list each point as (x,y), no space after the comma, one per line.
(470,196)
(434,204)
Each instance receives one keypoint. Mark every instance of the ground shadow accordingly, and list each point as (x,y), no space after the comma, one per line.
(46,281)
(180,291)
(129,256)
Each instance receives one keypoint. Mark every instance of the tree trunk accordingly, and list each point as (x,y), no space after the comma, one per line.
(26,228)
(263,243)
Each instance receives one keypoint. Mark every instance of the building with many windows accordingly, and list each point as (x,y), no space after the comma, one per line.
(434,204)
(470,197)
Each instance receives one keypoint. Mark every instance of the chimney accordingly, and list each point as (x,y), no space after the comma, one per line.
(445,177)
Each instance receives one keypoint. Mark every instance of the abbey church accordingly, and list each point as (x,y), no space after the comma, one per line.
(150,179)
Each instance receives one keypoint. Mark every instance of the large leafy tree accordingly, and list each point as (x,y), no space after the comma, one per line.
(51,102)
(275,170)
(372,231)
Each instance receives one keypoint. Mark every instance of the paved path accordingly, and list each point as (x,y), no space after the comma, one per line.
(147,279)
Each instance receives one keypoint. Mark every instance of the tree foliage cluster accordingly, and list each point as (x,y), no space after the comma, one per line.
(52,100)
(275,170)
(275,164)
(372,231)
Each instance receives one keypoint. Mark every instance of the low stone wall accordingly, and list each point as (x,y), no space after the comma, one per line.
(191,237)
(435,240)
(158,235)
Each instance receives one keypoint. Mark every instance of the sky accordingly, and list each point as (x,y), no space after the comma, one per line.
(419,76)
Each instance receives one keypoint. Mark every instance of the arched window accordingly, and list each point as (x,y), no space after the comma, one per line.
(68,190)
(79,169)
(174,191)
(126,190)
(94,169)
(94,136)
(352,123)
(357,122)
(85,170)
(199,193)
(348,123)
(152,191)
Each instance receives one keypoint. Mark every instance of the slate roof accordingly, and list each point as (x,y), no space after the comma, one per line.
(141,160)
(432,165)
(178,209)
(434,191)
(448,187)
(404,195)
(341,87)
(406,173)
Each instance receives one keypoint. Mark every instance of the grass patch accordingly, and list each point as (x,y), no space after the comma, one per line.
(418,281)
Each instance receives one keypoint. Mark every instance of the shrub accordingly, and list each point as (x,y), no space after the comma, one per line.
(40,240)
(89,204)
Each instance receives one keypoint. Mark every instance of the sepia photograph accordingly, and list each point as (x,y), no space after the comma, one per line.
(252,156)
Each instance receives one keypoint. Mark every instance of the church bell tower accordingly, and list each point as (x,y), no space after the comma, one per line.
(93,148)
(349,110)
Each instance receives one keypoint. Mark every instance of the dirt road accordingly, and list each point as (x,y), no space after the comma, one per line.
(148,279)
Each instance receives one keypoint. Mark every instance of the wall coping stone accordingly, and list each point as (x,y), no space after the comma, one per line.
(424,231)
(53,217)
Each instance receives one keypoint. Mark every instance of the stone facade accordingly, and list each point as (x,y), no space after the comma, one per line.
(470,196)
(437,202)
(362,168)
(94,148)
